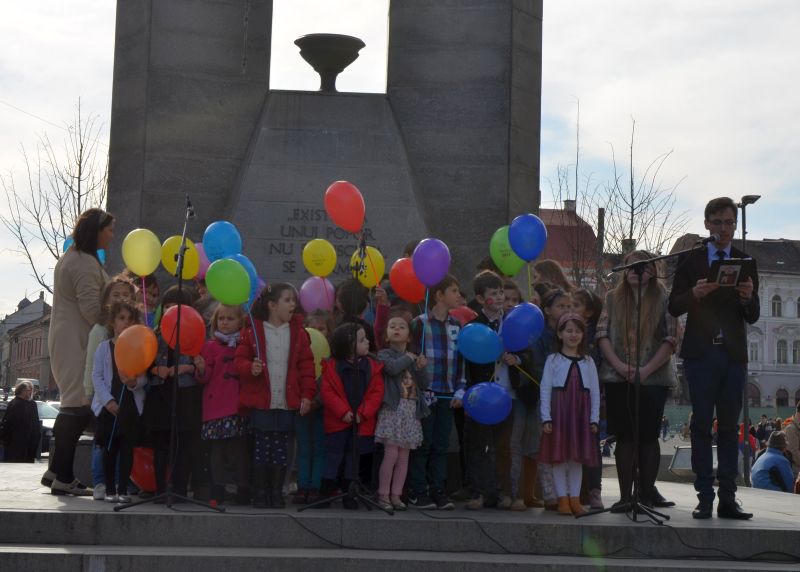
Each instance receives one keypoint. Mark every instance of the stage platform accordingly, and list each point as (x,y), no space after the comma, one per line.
(39,531)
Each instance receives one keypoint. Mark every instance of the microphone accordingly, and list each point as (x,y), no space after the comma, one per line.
(713,238)
(189,207)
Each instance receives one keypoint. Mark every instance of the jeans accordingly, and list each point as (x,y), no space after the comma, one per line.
(715,381)
(428,466)
(310,434)
(524,440)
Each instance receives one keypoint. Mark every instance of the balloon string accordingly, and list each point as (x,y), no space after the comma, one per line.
(144,301)
(422,344)
(327,293)
(526,374)
(255,335)
(114,427)
(374,271)
(530,296)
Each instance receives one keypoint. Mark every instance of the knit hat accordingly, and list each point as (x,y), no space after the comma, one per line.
(777,440)
(567,317)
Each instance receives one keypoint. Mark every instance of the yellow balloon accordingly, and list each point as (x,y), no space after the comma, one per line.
(369,271)
(141,251)
(319,257)
(319,347)
(169,257)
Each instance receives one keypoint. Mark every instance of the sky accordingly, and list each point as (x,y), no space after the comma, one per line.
(715,82)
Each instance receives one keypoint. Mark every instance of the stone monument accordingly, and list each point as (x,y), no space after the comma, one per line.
(451,149)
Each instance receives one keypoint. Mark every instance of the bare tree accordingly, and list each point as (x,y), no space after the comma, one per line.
(58,185)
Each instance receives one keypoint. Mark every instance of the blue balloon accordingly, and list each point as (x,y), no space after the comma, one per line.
(522,326)
(487,403)
(101,256)
(479,343)
(527,236)
(251,272)
(221,240)
(67,244)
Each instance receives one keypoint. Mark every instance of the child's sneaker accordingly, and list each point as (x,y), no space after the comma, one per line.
(595,500)
(112,498)
(442,502)
(124,499)
(504,502)
(421,501)
(475,504)
(99,492)
(519,505)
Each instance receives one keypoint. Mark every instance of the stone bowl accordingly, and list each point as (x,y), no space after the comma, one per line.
(329,55)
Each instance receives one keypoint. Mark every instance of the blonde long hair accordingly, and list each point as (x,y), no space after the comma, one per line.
(624,297)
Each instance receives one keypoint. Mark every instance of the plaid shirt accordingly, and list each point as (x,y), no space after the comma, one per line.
(445,365)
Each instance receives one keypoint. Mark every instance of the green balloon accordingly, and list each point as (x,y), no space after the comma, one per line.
(503,255)
(228,282)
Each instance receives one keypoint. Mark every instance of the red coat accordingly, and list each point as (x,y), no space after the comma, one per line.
(336,405)
(221,393)
(254,392)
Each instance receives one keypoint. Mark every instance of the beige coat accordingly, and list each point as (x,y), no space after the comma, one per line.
(78,280)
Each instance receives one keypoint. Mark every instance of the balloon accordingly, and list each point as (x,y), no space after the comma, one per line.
(319,257)
(502,254)
(67,243)
(143,472)
(405,283)
(527,235)
(221,240)
(522,326)
(135,350)
(319,347)
(193,329)
(261,285)
(487,403)
(141,251)
(169,257)
(479,343)
(204,261)
(345,205)
(464,314)
(227,281)
(316,294)
(101,256)
(370,270)
(252,274)
(431,261)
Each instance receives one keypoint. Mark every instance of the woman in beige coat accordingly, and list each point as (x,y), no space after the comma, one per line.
(78,280)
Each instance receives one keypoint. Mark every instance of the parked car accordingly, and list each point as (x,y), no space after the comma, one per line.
(47,418)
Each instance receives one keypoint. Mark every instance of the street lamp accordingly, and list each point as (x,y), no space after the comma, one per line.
(746,200)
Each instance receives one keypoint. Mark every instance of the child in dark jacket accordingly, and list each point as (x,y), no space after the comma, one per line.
(276,382)
(352,390)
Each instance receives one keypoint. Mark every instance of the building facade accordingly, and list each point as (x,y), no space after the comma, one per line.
(26,313)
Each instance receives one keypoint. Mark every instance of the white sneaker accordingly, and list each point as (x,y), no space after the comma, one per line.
(112,498)
(74,488)
(124,499)
(99,492)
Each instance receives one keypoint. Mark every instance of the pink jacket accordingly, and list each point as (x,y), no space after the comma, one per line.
(221,392)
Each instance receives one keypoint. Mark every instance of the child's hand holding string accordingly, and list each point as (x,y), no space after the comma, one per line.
(257,367)
(593,427)
(199,364)
(381,297)
(305,406)
(422,362)
(348,417)
(547,427)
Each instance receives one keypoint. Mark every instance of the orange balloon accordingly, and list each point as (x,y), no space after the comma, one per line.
(345,206)
(135,350)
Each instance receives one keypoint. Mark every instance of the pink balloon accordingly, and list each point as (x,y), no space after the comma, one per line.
(316,294)
(204,262)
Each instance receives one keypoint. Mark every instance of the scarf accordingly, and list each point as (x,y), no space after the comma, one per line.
(230,340)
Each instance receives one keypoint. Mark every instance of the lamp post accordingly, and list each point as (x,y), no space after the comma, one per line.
(746,200)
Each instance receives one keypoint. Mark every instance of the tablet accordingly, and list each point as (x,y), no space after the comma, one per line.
(732,271)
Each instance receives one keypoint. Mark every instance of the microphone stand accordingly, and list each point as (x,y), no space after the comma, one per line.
(634,507)
(170,496)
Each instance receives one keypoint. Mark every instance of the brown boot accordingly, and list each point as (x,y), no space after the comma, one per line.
(575,505)
(564,506)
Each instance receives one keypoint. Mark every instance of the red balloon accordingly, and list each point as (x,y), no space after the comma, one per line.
(345,206)
(464,314)
(143,472)
(405,282)
(193,329)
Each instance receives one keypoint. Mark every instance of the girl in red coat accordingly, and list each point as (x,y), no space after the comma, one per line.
(276,378)
(352,389)
(223,427)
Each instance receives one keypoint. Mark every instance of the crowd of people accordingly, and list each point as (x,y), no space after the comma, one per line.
(254,410)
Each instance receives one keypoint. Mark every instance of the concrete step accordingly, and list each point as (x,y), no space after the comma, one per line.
(80,558)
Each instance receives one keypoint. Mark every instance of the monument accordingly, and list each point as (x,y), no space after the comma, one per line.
(451,149)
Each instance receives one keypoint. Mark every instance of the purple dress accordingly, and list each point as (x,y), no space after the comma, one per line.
(572,438)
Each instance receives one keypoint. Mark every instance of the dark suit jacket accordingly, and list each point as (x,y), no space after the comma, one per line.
(720,310)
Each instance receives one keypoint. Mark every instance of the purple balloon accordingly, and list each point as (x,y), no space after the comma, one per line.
(204,262)
(316,294)
(431,261)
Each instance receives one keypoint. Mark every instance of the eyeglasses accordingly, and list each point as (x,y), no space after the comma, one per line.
(718,223)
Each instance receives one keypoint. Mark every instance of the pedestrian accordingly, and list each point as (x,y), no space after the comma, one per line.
(20,431)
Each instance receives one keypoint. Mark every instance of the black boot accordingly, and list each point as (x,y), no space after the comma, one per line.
(261,495)
(649,460)
(277,474)
(623,454)
(326,490)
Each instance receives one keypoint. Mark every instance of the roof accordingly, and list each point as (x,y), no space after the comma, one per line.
(569,238)
(772,255)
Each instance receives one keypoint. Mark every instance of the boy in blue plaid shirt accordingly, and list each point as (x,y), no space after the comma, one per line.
(436,334)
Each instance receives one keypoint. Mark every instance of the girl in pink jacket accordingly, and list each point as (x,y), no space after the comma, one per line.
(222,424)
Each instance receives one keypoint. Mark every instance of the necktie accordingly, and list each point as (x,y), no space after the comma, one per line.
(721,254)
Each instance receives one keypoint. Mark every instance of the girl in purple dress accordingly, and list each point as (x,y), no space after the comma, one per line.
(570,408)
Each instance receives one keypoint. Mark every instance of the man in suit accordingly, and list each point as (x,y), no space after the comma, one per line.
(714,353)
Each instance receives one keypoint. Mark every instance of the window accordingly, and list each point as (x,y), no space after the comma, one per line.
(781,398)
(754,395)
(796,351)
(783,350)
(753,351)
(776,306)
